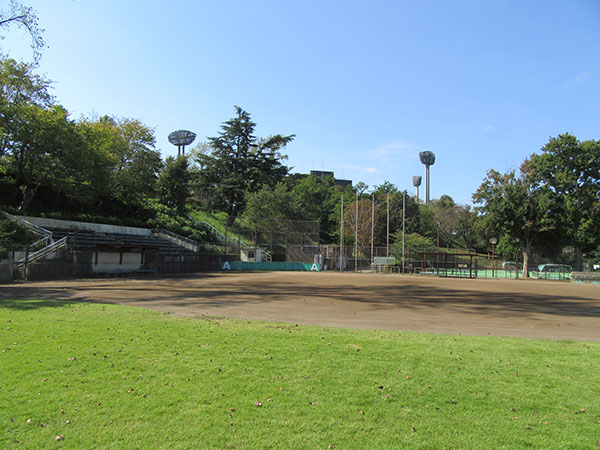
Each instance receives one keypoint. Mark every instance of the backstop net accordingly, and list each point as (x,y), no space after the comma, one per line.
(284,241)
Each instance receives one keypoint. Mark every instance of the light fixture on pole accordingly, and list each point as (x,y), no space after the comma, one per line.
(494,241)
(416,183)
(181,138)
(428,159)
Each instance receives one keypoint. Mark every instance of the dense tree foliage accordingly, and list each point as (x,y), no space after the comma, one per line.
(174,183)
(12,234)
(513,205)
(570,169)
(240,163)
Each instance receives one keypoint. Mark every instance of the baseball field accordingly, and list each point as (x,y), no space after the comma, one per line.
(299,360)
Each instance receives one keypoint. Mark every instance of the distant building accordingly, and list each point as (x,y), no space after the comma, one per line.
(321,174)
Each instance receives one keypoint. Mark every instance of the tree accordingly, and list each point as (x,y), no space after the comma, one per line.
(174,183)
(514,205)
(125,150)
(412,241)
(26,17)
(37,139)
(318,198)
(270,209)
(364,222)
(412,214)
(571,171)
(240,163)
(12,234)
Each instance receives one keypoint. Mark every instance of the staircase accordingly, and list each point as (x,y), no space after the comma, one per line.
(43,252)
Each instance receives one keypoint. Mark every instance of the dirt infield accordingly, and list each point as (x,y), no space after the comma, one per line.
(532,309)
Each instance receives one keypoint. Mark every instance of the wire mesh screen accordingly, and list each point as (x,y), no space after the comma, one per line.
(285,241)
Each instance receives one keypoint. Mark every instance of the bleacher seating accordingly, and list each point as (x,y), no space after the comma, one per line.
(86,240)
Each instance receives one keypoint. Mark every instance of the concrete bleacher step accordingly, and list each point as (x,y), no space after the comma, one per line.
(86,239)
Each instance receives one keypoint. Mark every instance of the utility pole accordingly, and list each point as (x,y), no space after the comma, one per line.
(387,250)
(356,236)
(403,226)
(342,234)
(372,225)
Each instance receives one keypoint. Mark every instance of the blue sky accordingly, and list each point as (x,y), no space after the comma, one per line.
(364,85)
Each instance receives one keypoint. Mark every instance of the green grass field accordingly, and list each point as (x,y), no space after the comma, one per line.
(76,375)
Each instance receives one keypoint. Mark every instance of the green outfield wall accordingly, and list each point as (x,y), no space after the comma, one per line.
(276,266)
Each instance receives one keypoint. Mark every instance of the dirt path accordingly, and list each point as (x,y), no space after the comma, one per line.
(532,309)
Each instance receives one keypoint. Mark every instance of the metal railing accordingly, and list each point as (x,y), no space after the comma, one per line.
(182,241)
(43,252)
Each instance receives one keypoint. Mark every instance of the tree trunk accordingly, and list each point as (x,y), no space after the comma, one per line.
(578,259)
(28,195)
(230,219)
(526,252)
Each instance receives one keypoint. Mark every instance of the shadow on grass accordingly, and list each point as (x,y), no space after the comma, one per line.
(31,304)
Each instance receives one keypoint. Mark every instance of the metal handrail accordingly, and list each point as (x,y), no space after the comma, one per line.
(35,228)
(44,251)
(182,239)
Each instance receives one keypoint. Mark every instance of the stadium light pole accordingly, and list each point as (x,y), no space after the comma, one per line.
(428,159)
(416,183)
(181,138)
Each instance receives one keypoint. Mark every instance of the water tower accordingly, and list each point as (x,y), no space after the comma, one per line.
(428,159)
(417,183)
(181,138)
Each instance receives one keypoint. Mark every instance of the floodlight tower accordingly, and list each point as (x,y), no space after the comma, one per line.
(428,159)
(417,183)
(181,138)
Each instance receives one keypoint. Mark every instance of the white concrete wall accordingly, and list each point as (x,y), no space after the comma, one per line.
(109,262)
(245,255)
(84,226)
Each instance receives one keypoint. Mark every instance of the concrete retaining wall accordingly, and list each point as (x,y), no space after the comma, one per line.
(85,226)
(6,270)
